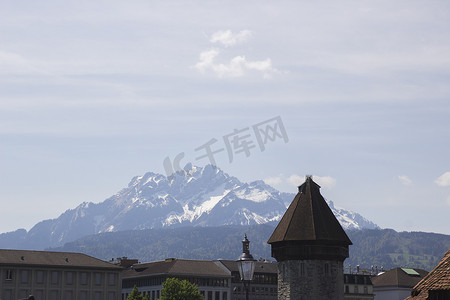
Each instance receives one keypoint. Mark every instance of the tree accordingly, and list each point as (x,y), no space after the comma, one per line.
(175,289)
(135,294)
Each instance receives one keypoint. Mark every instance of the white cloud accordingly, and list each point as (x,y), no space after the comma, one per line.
(405,180)
(227,38)
(443,180)
(296,180)
(12,63)
(236,67)
(326,181)
(273,180)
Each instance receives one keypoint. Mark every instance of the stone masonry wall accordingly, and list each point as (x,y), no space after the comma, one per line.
(310,280)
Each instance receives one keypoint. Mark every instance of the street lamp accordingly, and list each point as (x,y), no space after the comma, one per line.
(246,265)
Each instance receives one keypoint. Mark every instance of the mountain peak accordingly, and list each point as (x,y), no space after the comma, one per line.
(194,196)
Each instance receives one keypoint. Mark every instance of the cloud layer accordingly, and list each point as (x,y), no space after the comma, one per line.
(237,66)
(227,38)
(405,180)
(443,180)
(296,180)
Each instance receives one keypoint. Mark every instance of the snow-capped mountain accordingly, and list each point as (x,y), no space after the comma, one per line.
(194,196)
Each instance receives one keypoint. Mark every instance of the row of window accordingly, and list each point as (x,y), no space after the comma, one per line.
(158,280)
(57,295)
(55,277)
(153,294)
(257,290)
(210,295)
(260,278)
(356,290)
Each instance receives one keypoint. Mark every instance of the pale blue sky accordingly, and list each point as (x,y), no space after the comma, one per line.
(93,93)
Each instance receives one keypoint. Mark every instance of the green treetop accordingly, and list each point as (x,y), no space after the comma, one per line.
(175,289)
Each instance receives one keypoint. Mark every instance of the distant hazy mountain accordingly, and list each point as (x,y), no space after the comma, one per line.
(193,197)
(382,248)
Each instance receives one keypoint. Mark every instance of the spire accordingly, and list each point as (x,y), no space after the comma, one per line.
(309,221)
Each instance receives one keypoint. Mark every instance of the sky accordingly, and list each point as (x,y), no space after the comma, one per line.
(356,93)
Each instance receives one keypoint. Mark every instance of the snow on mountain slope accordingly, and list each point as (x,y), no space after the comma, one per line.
(194,196)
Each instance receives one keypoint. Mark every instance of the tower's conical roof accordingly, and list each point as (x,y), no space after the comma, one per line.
(309,219)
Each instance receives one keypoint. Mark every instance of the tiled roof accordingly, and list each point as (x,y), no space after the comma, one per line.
(398,278)
(177,267)
(52,259)
(260,267)
(437,279)
(309,218)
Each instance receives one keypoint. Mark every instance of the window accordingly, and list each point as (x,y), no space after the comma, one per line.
(69,278)
(24,276)
(111,296)
(355,289)
(112,279)
(327,269)
(97,295)
(39,277)
(7,294)
(54,295)
(153,295)
(157,294)
(55,277)
(302,269)
(210,295)
(69,295)
(98,278)
(39,294)
(84,278)
(83,295)
(224,296)
(347,290)
(366,290)
(9,274)
(217,296)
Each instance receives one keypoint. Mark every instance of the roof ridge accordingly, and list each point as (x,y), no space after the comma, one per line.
(308,187)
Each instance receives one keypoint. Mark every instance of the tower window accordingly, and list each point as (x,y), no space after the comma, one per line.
(9,274)
(327,269)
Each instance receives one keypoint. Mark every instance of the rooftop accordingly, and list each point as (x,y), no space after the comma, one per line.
(309,218)
(260,267)
(54,259)
(173,266)
(399,277)
(437,280)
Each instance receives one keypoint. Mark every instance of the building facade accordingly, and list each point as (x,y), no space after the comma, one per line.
(57,275)
(262,287)
(212,279)
(358,287)
(397,283)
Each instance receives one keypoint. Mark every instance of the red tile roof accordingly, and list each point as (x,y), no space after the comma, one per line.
(398,278)
(437,279)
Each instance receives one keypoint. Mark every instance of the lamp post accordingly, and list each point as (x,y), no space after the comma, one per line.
(246,265)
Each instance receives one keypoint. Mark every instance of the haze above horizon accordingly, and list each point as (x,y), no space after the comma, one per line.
(354,93)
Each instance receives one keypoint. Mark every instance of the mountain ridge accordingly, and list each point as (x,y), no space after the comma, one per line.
(382,248)
(194,196)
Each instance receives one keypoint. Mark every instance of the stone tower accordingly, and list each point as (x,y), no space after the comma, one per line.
(310,247)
